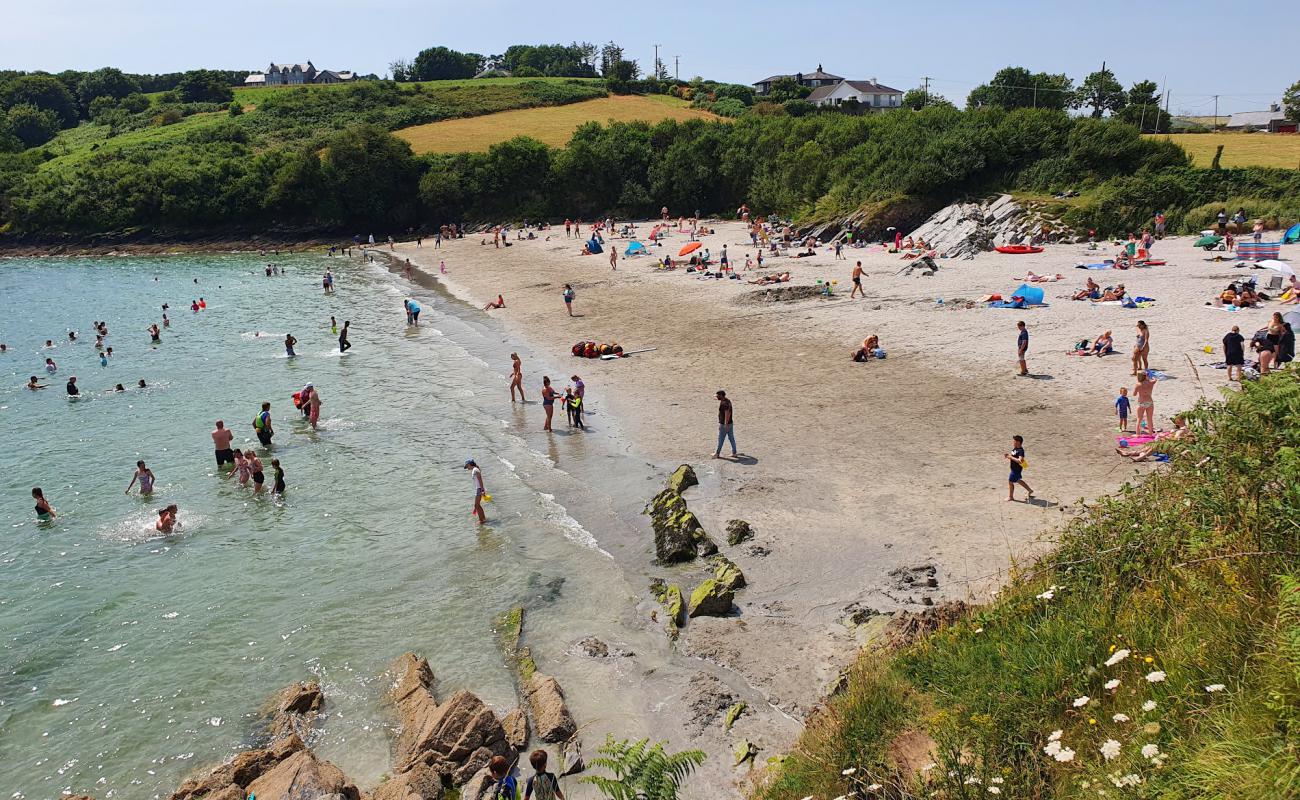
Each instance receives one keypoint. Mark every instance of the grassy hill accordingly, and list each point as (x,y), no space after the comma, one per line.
(553,126)
(1155,653)
(1240,149)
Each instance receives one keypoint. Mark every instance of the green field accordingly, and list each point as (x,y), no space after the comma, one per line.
(252,95)
(1240,149)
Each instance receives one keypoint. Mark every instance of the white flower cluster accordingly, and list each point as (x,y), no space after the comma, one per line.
(1110,749)
(1049,594)
(1125,781)
(1117,656)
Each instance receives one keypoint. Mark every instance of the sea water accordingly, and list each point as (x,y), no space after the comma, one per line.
(129,659)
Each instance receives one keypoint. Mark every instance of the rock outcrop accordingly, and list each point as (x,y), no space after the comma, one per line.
(418,783)
(727,573)
(670,597)
(516,727)
(552,721)
(711,598)
(679,536)
(286,770)
(738,531)
(963,229)
(292,709)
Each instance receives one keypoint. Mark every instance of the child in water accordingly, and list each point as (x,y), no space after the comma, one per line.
(166,519)
(278,486)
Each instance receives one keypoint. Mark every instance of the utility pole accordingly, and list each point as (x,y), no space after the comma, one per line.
(677,67)
(1216,112)
(925,93)
(656,66)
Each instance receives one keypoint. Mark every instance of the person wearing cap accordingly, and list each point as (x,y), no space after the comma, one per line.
(476,477)
(725,429)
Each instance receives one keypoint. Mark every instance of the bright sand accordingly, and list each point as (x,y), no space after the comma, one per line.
(854,470)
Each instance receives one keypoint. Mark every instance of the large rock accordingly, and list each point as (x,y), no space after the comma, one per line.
(552,721)
(678,534)
(292,709)
(421,782)
(448,734)
(478,787)
(515,725)
(286,770)
(302,776)
(670,596)
(711,599)
(682,479)
(413,676)
(727,573)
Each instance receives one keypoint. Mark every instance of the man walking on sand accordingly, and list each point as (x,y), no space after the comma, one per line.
(726,430)
(857,282)
(1022,346)
(613,257)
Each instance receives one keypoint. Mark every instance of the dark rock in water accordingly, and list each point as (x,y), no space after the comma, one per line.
(594,647)
(711,598)
(707,699)
(545,590)
(911,577)
(418,783)
(670,596)
(759,551)
(571,760)
(682,479)
(552,721)
(738,531)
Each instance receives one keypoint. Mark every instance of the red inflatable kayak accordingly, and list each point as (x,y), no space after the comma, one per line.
(1018,249)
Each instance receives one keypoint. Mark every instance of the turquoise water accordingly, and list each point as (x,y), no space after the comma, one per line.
(129,659)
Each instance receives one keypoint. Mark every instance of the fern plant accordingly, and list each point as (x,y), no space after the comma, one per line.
(640,771)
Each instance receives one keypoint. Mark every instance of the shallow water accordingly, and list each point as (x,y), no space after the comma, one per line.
(129,659)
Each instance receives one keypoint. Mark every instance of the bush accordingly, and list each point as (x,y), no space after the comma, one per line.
(728,107)
(31,125)
(169,117)
(798,108)
(236,108)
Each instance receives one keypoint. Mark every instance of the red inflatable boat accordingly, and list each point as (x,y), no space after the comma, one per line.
(1018,249)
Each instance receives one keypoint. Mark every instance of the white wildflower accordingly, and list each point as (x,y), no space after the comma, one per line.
(1118,656)
(929,767)
(1113,683)
(1125,781)
(1149,705)
(1215,687)
(1080,702)
(1110,749)
(1065,755)
(979,630)
(1156,677)
(995,780)
(1119,718)
(875,787)
(994,790)
(1054,736)
(849,771)
(1150,751)
(1053,747)
(1049,594)
(972,781)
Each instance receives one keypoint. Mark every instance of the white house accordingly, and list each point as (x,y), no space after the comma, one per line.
(869,94)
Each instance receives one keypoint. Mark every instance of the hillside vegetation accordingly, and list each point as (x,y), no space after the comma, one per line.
(1155,653)
(551,126)
(1241,149)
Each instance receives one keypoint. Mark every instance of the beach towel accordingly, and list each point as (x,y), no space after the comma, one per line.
(1133,441)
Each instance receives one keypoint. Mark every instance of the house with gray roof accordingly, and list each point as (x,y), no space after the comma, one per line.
(870,95)
(1274,121)
(812,80)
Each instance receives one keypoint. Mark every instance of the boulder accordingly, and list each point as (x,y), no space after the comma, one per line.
(738,531)
(302,776)
(670,596)
(476,761)
(682,479)
(292,709)
(515,725)
(711,598)
(478,787)
(571,761)
(418,783)
(413,675)
(678,534)
(448,734)
(552,721)
(727,573)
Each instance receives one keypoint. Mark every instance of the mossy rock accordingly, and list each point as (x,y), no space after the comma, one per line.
(672,601)
(525,666)
(711,599)
(509,626)
(682,479)
(738,531)
(733,714)
(727,573)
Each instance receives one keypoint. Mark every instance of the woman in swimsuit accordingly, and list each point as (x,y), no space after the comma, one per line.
(255,467)
(142,474)
(1105,345)
(243,471)
(1141,348)
(548,400)
(44,511)
(1146,407)
(516,378)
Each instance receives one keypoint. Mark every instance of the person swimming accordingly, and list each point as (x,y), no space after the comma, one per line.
(32,384)
(167,519)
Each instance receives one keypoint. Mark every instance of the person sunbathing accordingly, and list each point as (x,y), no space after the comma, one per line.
(1292,294)
(767,279)
(1150,452)
(1247,298)
(1090,292)
(1110,294)
(1228,296)
(1034,277)
(1104,346)
(498,303)
(908,244)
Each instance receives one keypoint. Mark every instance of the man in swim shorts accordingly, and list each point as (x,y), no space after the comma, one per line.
(221,439)
(289,342)
(344,344)
(857,282)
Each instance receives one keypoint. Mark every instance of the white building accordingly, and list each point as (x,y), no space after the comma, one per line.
(869,94)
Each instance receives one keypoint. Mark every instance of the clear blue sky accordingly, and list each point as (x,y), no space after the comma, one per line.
(1248,60)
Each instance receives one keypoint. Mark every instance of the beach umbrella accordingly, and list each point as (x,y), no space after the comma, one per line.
(1207,241)
(1276,266)
(1292,317)
(688,248)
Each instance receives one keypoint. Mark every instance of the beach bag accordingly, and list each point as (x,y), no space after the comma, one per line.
(579,349)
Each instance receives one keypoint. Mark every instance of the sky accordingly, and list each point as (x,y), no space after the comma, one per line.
(957,43)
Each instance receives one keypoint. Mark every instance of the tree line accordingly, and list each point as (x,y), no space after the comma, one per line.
(575,60)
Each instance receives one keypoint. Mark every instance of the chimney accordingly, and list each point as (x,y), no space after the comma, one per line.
(873,80)
(819,67)
(1274,107)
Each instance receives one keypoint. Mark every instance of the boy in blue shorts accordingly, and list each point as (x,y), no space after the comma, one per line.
(1017,459)
(1121,409)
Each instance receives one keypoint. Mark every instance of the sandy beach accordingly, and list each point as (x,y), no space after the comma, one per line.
(851,472)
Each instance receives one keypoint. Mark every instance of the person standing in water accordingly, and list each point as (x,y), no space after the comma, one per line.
(289,342)
(262,425)
(144,475)
(278,486)
(221,439)
(313,405)
(548,400)
(516,378)
(579,395)
(73,391)
(344,344)
(254,465)
(44,511)
(334,326)
(155,335)
(476,477)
